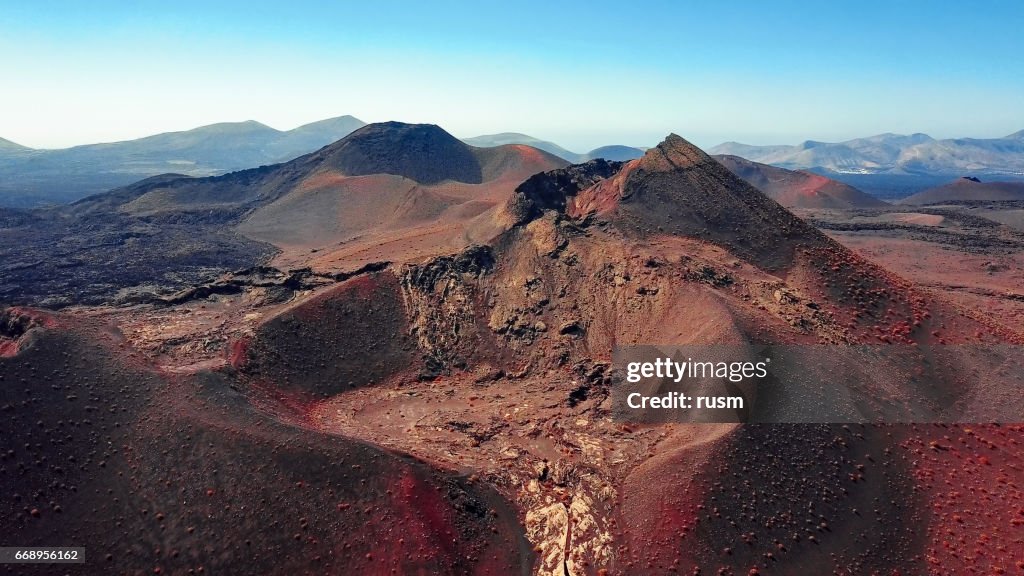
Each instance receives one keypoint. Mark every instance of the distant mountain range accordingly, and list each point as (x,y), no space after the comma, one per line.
(894,154)
(888,166)
(30,177)
(613,152)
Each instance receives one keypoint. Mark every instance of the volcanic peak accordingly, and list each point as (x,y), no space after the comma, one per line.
(421,152)
(674,153)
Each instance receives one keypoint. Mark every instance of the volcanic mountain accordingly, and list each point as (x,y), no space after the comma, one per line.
(798,188)
(678,189)
(368,196)
(423,153)
(449,409)
(968,189)
(615,152)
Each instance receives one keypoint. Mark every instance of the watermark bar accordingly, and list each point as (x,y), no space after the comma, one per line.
(898,384)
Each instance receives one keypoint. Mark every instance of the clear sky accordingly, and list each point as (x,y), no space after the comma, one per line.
(581,74)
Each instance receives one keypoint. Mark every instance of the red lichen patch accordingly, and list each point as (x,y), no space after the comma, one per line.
(8,348)
(435,538)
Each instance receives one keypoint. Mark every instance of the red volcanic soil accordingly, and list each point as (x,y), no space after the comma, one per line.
(971,480)
(159,475)
(785,499)
(798,188)
(968,190)
(853,499)
(988,286)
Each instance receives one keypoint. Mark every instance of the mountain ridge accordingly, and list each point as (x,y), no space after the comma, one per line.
(614,152)
(891,153)
(31,177)
(241,126)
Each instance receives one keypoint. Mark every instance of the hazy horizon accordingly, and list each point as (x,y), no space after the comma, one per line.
(539,137)
(581,76)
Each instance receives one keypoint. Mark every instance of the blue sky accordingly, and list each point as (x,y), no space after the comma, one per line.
(581,74)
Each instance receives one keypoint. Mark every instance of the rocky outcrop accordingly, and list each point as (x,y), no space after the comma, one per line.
(551,190)
(439,298)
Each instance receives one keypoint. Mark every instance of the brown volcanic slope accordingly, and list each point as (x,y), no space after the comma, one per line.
(798,188)
(420,153)
(354,220)
(968,189)
(494,362)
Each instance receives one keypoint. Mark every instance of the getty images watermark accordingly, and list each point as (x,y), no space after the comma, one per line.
(885,383)
(675,372)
